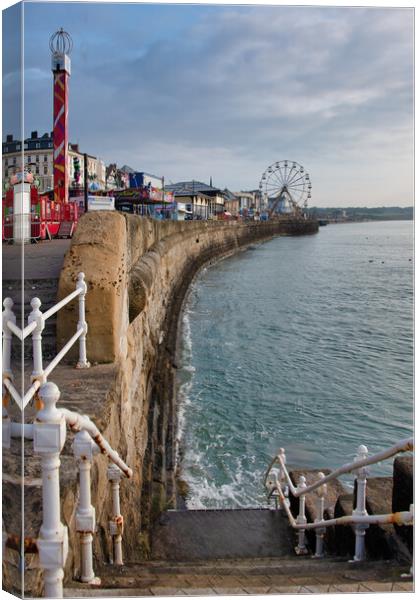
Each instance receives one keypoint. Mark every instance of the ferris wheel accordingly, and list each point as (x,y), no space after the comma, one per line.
(285,187)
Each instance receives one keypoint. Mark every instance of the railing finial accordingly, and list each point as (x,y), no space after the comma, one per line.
(362,452)
(8,303)
(50,395)
(36,303)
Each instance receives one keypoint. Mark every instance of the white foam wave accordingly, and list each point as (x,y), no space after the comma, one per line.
(205,493)
(185,373)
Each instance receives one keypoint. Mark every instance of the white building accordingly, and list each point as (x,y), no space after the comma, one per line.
(38,159)
(249,200)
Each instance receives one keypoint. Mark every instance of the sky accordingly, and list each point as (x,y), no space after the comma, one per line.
(200,91)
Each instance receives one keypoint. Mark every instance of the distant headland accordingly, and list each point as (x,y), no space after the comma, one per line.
(357,214)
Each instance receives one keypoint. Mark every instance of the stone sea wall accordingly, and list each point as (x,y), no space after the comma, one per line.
(138,271)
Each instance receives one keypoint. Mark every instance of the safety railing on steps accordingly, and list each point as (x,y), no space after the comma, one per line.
(279,485)
(35,326)
(48,432)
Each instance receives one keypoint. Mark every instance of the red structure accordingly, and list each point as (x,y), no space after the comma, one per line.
(49,219)
(61,45)
(49,215)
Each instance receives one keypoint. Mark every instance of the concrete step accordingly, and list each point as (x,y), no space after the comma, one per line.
(191,535)
(245,576)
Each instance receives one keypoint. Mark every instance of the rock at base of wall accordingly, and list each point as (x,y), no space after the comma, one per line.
(379,543)
(344,535)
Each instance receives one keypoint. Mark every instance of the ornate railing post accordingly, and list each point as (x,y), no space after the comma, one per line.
(49,437)
(301,518)
(320,531)
(84,449)
(360,510)
(37,316)
(8,315)
(81,284)
(116,524)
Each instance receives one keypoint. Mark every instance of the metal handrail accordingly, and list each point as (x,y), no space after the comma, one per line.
(399,518)
(48,432)
(79,422)
(51,311)
(63,352)
(23,333)
(280,484)
(406,445)
(35,327)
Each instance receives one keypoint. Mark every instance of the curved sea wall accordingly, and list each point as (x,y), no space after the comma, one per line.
(138,271)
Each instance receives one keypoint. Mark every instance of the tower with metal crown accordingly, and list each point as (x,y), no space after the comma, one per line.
(61,46)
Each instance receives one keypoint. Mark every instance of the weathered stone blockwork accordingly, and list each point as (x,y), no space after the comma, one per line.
(138,271)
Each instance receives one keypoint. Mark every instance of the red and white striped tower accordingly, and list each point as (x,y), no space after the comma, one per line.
(61,45)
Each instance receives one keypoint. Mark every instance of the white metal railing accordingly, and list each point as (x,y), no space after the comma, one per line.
(49,435)
(48,432)
(279,485)
(36,325)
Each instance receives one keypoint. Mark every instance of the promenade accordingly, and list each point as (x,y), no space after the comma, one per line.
(40,261)
(244,577)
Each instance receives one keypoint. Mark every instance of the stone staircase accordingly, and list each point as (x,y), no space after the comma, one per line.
(227,552)
(251,551)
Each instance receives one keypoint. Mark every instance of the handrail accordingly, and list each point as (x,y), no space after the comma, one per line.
(22,334)
(48,432)
(399,518)
(280,485)
(36,324)
(81,422)
(405,445)
(29,394)
(27,330)
(18,331)
(77,423)
(63,352)
(51,311)
(13,391)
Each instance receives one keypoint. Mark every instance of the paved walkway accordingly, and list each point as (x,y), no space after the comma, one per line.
(268,576)
(314,588)
(41,261)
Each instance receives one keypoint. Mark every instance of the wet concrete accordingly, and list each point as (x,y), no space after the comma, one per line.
(211,534)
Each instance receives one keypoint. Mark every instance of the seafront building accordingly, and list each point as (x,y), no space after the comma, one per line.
(39,160)
(205,201)
(184,200)
(248,202)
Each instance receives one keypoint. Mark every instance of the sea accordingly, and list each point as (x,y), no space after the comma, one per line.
(304,343)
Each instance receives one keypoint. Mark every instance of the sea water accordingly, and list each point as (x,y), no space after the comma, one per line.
(304,343)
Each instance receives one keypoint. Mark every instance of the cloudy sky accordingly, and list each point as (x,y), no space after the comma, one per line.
(224,91)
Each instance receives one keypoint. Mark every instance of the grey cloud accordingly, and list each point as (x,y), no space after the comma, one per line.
(247,86)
